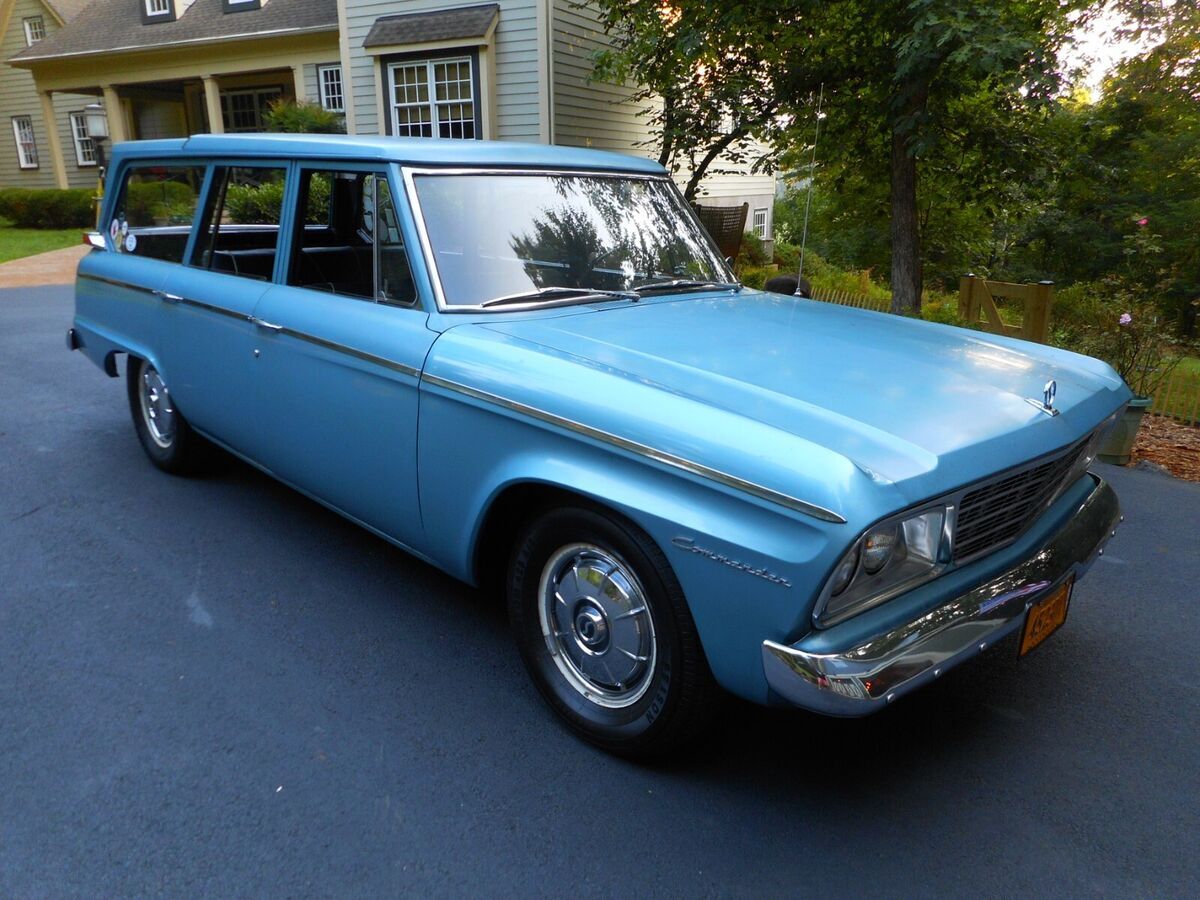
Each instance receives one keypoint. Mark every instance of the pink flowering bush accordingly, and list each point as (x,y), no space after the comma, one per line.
(1136,342)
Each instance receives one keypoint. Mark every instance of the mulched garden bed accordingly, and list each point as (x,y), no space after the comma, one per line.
(1168,444)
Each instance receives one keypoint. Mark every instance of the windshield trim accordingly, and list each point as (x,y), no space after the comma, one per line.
(409,173)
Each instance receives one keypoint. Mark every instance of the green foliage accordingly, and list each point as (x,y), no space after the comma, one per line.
(48,207)
(751,252)
(249,204)
(303,117)
(159,202)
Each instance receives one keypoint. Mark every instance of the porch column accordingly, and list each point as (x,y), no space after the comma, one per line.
(52,136)
(298,83)
(116,115)
(212,103)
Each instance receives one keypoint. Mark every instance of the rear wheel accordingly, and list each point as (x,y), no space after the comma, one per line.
(163,431)
(605,632)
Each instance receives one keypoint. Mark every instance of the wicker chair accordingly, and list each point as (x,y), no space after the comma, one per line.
(725,224)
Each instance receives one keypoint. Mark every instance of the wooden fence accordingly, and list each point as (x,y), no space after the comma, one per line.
(848,298)
(978,296)
(1179,398)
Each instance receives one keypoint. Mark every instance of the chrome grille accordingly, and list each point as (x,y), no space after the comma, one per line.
(998,512)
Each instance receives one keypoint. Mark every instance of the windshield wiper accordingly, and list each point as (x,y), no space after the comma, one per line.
(686,284)
(555,293)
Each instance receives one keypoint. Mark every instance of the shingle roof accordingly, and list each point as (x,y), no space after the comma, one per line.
(108,25)
(441,25)
(67,9)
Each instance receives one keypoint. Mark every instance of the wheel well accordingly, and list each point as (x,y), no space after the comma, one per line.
(509,513)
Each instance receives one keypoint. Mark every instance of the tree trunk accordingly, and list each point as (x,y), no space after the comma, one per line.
(906,230)
(714,150)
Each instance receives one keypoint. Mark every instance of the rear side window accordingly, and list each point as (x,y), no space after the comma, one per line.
(154,211)
(239,228)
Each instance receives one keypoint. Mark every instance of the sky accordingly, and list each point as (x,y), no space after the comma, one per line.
(1098,49)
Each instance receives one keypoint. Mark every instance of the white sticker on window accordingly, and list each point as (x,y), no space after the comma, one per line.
(131,242)
(114,229)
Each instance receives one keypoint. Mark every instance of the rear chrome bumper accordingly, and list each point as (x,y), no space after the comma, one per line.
(864,678)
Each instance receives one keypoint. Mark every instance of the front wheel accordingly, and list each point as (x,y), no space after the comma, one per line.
(163,431)
(606,634)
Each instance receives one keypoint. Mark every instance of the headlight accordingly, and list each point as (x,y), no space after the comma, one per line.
(893,556)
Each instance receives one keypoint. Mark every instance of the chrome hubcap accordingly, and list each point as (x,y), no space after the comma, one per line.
(597,625)
(157,411)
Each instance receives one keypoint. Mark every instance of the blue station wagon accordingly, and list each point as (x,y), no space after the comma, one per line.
(530,367)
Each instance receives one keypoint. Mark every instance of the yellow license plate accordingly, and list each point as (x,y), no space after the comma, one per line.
(1045,616)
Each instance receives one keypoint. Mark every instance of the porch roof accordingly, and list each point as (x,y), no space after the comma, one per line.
(459,23)
(107,26)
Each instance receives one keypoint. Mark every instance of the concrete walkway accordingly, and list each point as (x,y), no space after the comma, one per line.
(55,267)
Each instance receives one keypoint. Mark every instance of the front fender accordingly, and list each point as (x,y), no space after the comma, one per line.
(748,568)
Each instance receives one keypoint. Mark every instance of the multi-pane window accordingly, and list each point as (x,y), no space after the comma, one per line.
(433,98)
(158,7)
(35,30)
(759,222)
(27,156)
(85,147)
(244,110)
(330,81)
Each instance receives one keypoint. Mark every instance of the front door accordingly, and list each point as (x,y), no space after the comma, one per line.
(342,345)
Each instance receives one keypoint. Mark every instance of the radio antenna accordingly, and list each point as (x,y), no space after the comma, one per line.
(812,178)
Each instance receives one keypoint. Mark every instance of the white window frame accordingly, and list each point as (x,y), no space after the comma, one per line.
(760,219)
(157,8)
(31,23)
(432,104)
(27,156)
(327,95)
(85,147)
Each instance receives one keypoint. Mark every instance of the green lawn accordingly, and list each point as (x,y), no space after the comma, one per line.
(18,242)
(1180,396)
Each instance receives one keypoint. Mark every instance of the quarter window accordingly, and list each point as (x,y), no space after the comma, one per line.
(27,156)
(155,211)
(85,147)
(35,30)
(244,110)
(332,95)
(240,226)
(433,98)
(348,238)
(759,222)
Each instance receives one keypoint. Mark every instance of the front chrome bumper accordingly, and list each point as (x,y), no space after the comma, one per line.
(872,674)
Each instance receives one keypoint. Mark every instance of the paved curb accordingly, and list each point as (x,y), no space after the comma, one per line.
(54,267)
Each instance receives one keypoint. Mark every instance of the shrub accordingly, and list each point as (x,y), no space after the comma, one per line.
(751,252)
(303,117)
(148,201)
(250,204)
(48,207)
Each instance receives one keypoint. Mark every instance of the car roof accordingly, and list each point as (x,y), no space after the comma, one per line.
(410,151)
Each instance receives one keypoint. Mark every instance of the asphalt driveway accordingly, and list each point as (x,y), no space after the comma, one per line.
(215,686)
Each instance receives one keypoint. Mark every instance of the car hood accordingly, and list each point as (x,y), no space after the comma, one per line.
(913,403)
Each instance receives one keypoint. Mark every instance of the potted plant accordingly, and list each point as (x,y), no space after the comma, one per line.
(1136,344)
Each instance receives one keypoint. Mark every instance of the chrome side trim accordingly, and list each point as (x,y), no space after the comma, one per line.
(208,307)
(380,361)
(85,276)
(659,456)
(873,673)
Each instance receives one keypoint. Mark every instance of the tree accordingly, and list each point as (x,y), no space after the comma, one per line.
(900,75)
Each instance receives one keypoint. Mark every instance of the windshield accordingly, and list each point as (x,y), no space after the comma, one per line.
(502,237)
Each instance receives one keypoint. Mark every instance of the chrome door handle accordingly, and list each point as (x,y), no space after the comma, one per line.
(167,298)
(269,326)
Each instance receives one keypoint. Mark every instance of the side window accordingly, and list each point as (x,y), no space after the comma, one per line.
(239,232)
(154,211)
(339,248)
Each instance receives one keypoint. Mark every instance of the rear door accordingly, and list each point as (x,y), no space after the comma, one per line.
(231,263)
(343,340)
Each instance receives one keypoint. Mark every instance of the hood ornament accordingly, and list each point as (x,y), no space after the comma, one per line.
(1046,404)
